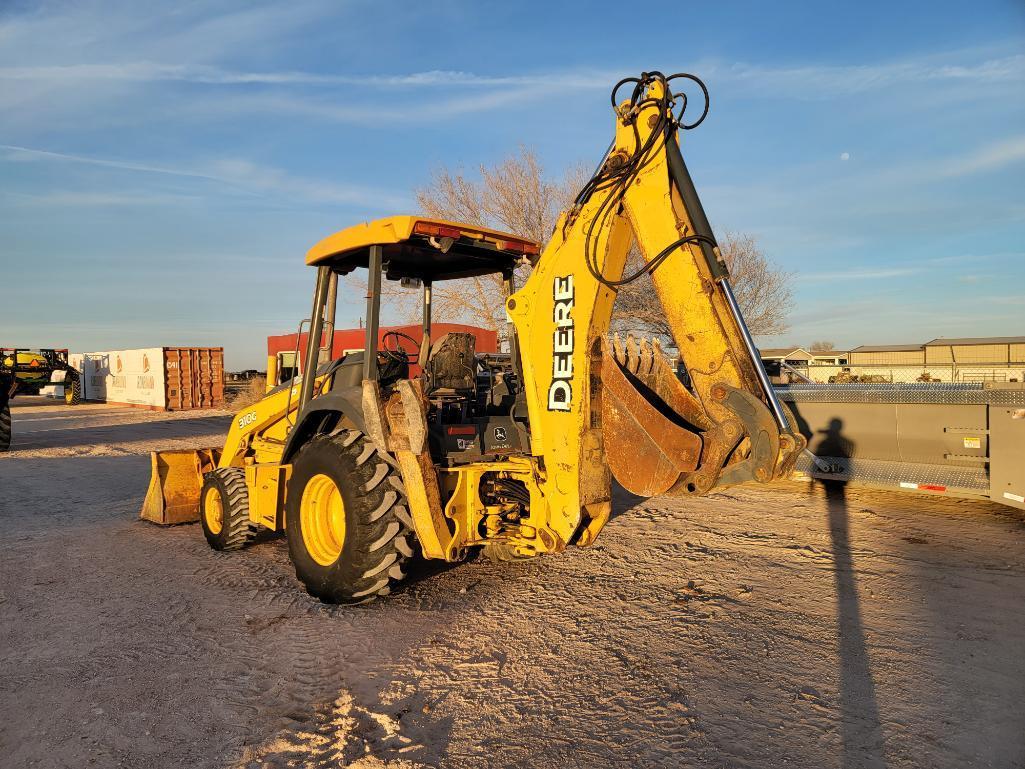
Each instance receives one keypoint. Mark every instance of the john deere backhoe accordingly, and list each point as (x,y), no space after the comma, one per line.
(361,464)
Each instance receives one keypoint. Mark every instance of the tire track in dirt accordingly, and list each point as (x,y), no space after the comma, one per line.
(699,632)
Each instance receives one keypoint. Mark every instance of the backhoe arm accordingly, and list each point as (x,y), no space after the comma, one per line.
(597,405)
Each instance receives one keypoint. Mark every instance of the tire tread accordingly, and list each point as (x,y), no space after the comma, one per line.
(76,389)
(5,427)
(238,530)
(381,547)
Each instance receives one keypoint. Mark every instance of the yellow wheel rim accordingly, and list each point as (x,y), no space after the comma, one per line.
(213,510)
(322,519)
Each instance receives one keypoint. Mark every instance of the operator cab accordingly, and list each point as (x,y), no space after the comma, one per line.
(473,398)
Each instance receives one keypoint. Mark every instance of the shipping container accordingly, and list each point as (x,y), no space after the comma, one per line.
(195,377)
(158,378)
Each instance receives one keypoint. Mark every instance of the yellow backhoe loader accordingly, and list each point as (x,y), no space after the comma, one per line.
(362,465)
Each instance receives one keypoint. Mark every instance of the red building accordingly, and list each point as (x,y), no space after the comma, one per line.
(355,338)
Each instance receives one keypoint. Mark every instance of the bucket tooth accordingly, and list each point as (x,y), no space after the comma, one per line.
(646,363)
(618,350)
(632,354)
(659,358)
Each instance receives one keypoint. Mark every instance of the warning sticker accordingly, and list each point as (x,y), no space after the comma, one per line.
(972,443)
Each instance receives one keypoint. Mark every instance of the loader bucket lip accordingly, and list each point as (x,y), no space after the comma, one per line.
(176,479)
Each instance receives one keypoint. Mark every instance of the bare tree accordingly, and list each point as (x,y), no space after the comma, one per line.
(822,347)
(517,196)
(514,195)
(762,289)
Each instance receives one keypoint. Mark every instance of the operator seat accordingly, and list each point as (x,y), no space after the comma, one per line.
(450,368)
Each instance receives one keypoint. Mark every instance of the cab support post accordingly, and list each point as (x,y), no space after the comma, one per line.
(313,340)
(373,313)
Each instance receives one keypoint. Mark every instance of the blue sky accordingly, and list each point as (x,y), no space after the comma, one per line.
(162,172)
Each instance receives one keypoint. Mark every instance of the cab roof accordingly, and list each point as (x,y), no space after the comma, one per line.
(425,248)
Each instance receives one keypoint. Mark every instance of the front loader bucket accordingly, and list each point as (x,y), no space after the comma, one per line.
(175,484)
(649,419)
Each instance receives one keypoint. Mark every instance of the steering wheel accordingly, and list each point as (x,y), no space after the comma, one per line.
(398,353)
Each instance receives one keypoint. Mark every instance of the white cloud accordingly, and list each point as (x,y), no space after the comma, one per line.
(121,53)
(857,274)
(426,110)
(118,31)
(18,153)
(118,64)
(148,71)
(99,199)
(975,258)
(242,175)
(813,82)
(1014,300)
(274,181)
(992,157)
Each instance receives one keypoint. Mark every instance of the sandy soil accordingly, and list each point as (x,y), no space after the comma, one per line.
(752,628)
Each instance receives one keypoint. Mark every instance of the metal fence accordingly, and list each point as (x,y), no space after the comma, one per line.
(917,373)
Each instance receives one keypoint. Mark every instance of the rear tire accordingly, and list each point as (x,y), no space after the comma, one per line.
(346,519)
(5,427)
(72,389)
(224,509)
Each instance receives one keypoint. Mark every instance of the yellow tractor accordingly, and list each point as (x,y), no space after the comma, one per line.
(25,371)
(363,465)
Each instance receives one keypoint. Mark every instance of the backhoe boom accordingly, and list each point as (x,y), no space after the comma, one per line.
(596,406)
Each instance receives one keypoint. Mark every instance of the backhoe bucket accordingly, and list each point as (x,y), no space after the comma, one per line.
(650,421)
(175,484)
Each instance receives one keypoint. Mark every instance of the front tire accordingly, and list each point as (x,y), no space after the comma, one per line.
(224,509)
(5,427)
(72,389)
(346,519)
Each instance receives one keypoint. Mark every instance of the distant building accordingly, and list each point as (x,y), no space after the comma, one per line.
(801,356)
(792,355)
(970,359)
(971,351)
(829,357)
(887,355)
(796,364)
(786,364)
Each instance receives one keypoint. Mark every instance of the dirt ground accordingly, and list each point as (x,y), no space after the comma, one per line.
(753,628)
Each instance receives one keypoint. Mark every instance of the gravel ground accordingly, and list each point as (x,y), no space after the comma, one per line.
(752,628)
